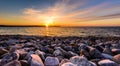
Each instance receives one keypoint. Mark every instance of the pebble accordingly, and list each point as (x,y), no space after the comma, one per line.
(107,62)
(59,51)
(13,63)
(10,57)
(80,61)
(116,58)
(51,61)
(3,51)
(63,61)
(24,63)
(107,56)
(116,51)
(68,64)
(36,60)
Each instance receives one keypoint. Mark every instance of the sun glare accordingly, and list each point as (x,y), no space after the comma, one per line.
(49,21)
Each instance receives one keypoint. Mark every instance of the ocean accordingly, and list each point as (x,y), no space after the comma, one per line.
(61,31)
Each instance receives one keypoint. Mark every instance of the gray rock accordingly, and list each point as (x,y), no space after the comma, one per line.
(68,48)
(36,60)
(95,53)
(107,56)
(80,61)
(11,41)
(107,62)
(10,57)
(63,61)
(29,55)
(57,53)
(13,63)
(24,63)
(116,51)
(22,53)
(51,61)
(116,58)
(107,50)
(68,64)
(41,54)
(85,53)
(72,53)
(93,64)
(3,51)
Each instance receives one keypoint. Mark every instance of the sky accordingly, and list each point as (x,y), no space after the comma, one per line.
(60,12)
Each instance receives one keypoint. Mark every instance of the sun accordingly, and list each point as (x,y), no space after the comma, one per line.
(49,21)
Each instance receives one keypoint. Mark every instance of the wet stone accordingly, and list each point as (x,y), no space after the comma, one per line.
(116,51)
(10,57)
(116,58)
(107,56)
(51,61)
(24,63)
(68,64)
(13,63)
(80,61)
(35,60)
(3,51)
(107,62)
(63,61)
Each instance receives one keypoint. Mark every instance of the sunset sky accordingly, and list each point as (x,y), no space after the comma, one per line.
(60,12)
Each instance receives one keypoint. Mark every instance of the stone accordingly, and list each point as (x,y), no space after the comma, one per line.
(35,60)
(22,53)
(57,53)
(13,63)
(3,51)
(41,54)
(107,56)
(72,53)
(11,41)
(107,50)
(68,64)
(107,62)
(0,62)
(51,61)
(10,57)
(24,63)
(63,61)
(95,61)
(80,61)
(85,53)
(93,64)
(116,51)
(68,48)
(116,58)
(29,54)
(82,46)
(94,53)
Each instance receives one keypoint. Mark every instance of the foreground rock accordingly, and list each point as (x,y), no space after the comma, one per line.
(51,61)
(59,51)
(36,60)
(107,62)
(3,51)
(68,64)
(80,61)
(13,63)
(9,57)
(116,58)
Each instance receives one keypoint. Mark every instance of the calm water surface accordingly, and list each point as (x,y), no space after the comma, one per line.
(61,31)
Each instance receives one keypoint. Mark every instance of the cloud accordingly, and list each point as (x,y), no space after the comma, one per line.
(72,11)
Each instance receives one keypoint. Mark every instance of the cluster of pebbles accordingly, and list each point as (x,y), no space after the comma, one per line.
(19,50)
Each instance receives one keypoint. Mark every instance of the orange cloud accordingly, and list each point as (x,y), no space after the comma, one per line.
(63,12)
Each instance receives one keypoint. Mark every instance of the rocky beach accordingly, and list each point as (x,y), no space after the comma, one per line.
(23,50)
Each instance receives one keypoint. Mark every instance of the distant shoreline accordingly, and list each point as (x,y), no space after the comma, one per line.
(50,26)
